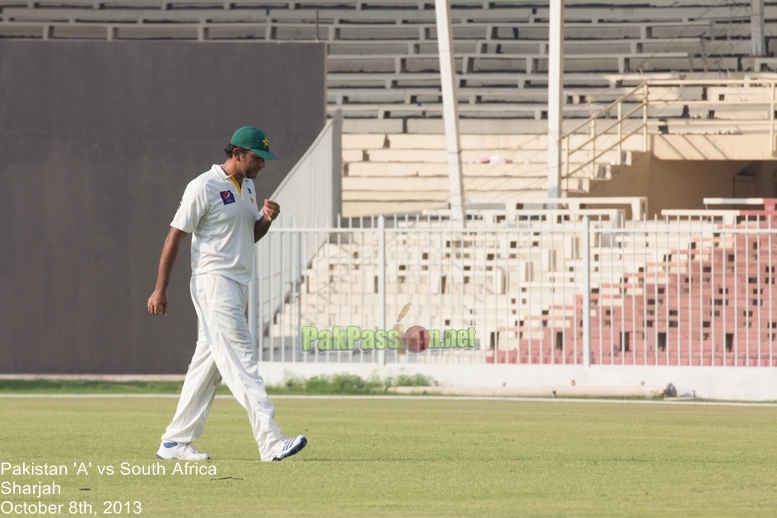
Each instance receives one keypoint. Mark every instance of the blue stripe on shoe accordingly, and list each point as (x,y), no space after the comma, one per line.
(169,444)
(301,444)
(289,448)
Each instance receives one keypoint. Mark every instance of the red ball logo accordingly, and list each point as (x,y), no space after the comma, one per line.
(416,339)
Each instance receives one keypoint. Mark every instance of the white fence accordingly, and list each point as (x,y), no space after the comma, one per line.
(540,288)
(313,188)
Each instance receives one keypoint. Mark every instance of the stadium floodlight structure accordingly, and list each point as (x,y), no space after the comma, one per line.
(450,110)
(555,92)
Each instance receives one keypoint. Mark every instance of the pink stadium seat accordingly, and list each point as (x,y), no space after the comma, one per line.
(706,309)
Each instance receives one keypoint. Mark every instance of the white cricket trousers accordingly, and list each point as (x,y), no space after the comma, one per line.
(224,349)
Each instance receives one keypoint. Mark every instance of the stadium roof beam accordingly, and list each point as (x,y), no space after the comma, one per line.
(555,85)
(450,109)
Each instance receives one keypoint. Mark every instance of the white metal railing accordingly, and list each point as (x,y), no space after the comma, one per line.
(657,106)
(691,291)
(312,188)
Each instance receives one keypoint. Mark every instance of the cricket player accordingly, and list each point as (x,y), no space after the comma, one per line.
(219,209)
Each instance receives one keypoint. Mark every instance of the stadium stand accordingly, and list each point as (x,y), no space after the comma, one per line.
(495,167)
(690,296)
(383,74)
(657,68)
(696,288)
(383,56)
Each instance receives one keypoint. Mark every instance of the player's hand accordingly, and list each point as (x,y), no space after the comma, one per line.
(271,209)
(157,303)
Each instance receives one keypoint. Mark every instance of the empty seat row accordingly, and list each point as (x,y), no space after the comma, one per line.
(378,47)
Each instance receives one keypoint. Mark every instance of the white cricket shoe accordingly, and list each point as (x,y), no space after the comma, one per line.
(288,448)
(174,450)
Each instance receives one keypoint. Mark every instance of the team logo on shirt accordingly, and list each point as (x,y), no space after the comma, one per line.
(227,197)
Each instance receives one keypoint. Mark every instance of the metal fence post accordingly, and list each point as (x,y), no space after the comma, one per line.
(587,292)
(382,282)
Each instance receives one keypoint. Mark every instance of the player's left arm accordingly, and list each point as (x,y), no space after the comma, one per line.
(270,212)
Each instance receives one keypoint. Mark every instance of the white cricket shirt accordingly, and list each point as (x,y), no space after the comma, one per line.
(220,216)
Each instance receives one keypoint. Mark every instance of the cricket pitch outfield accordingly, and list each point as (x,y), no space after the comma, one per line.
(395,457)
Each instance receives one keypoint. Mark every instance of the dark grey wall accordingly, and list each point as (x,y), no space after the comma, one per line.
(97,143)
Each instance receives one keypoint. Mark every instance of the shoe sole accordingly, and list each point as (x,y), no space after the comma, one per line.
(188,460)
(294,450)
(158,456)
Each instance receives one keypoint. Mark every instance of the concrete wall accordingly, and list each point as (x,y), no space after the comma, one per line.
(683,184)
(712,147)
(728,383)
(672,184)
(97,143)
(682,170)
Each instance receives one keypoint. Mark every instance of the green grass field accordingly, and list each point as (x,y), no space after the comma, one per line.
(411,457)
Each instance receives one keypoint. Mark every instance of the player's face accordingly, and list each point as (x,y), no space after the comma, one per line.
(251,164)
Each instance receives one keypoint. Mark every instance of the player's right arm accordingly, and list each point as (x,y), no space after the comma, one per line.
(157,302)
(193,206)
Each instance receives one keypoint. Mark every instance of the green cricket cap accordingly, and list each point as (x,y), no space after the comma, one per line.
(249,137)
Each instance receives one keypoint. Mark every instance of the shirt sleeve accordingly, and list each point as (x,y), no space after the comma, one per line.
(192,208)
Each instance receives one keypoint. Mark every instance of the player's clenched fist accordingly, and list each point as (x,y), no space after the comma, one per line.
(157,303)
(271,209)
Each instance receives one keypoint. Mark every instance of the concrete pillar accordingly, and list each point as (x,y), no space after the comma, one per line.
(450,109)
(555,95)
(757,41)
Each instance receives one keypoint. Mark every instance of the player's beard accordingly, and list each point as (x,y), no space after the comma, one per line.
(254,172)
